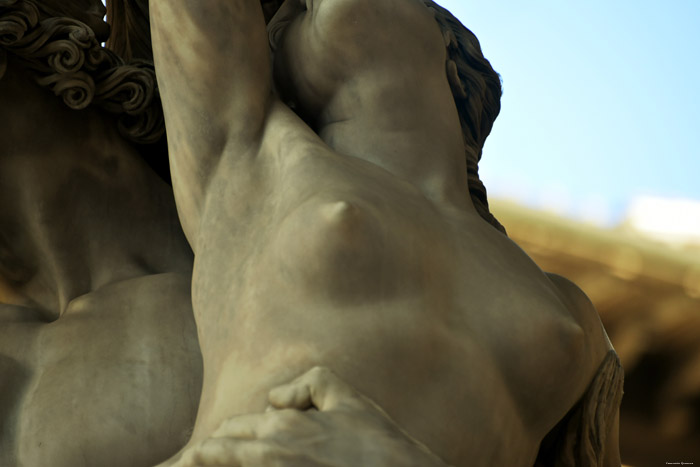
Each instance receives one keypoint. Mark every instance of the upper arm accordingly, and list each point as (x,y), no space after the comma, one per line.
(213,68)
(598,348)
(585,315)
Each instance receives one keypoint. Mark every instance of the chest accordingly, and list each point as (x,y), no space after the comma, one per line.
(442,321)
(340,228)
(116,380)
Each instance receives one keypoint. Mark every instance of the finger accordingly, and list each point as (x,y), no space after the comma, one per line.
(294,395)
(319,388)
(241,427)
(228,452)
(264,426)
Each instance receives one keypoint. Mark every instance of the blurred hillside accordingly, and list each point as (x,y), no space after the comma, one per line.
(647,291)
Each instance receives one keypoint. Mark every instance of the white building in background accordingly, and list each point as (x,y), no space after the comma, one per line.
(669,220)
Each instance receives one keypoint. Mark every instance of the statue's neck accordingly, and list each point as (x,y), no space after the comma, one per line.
(79,208)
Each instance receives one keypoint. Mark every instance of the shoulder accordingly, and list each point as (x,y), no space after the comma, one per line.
(588,433)
(143,296)
(582,311)
(596,345)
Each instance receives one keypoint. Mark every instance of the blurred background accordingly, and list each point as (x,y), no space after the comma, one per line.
(593,166)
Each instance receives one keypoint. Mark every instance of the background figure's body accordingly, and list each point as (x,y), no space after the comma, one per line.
(354,245)
(99,362)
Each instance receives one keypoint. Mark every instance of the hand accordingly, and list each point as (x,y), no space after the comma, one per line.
(316,420)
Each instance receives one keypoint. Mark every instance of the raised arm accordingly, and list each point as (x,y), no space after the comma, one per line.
(213,67)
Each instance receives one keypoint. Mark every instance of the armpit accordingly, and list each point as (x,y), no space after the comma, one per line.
(8,294)
(270,7)
(579,439)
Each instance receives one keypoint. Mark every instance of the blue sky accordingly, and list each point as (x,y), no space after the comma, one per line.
(601,101)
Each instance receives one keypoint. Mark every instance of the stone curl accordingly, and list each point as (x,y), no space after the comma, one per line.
(65,57)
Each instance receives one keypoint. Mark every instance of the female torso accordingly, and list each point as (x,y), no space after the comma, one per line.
(334,261)
(348,239)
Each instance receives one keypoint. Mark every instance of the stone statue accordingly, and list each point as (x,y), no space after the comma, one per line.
(320,175)
(355,302)
(99,361)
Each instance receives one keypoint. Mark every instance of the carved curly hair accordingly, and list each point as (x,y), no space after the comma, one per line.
(66,58)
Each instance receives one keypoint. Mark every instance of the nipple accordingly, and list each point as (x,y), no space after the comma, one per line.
(342,216)
(339,211)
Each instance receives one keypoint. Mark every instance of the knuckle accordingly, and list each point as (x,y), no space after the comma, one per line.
(263,453)
(223,427)
(319,373)
(191,457)
(227,428)
(283,420)
(202,451)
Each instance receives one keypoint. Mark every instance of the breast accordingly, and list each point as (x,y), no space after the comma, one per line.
(354,247)
(337,248)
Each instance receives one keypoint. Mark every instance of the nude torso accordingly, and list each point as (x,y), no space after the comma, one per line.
(337,262)
(112,382)
(114,378)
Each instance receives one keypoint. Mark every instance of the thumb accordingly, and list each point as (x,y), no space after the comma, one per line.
(318,388)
